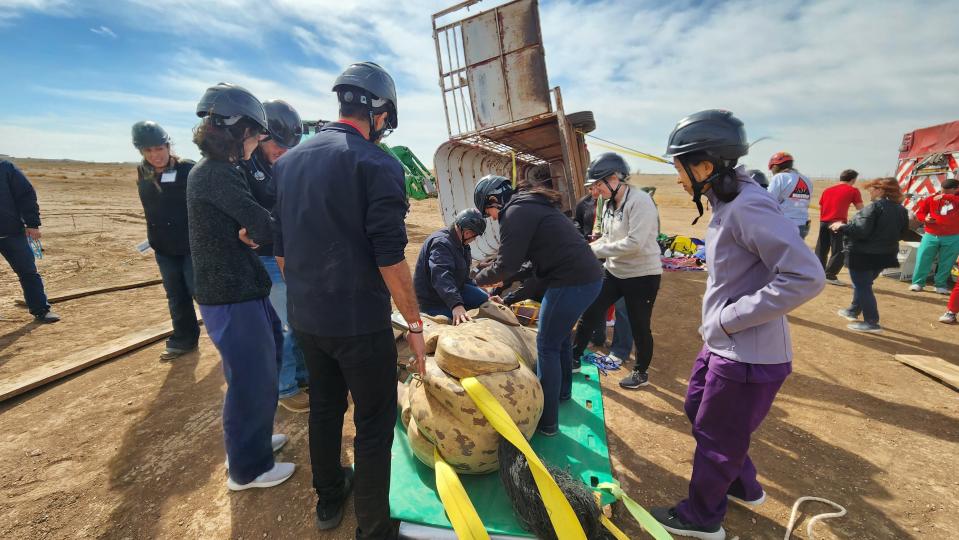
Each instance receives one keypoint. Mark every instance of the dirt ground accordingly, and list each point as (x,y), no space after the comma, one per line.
(133,448)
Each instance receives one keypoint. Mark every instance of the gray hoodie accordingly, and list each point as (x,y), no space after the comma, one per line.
(759,270)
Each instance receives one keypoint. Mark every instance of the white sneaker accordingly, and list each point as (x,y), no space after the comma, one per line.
(915,288)
(273,477)
(948,318)
(942,290)
(276,441)
(752,503)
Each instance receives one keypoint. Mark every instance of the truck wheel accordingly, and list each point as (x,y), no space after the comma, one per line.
(582,120)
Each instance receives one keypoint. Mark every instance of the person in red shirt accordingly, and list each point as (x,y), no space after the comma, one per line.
(940,216)
(834,206)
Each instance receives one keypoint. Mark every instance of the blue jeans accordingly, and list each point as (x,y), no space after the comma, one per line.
(293,368)
(561,308)
(622,333)
(17,252)
(249,337)
(177,274)
(473,297)
(863,299)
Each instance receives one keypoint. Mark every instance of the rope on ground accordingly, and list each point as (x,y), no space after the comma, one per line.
(815,519)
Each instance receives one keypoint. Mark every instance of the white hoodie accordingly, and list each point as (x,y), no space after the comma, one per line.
(629,236)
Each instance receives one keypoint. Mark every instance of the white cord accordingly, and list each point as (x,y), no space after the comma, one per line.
(815,519)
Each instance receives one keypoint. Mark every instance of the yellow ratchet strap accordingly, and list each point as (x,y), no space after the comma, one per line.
(561,514)
(466,522)
(646,521)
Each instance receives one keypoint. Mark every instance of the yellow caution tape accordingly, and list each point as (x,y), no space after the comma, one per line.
(561,514)
(459,508)
(612,528)
(623,149)
(646,521)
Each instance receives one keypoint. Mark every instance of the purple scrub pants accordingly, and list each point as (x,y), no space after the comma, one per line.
(726,401)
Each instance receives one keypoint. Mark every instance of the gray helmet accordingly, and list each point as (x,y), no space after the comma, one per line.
(716,132)
(605,165)
(471,220)
(492,185)
(147,133)
(377,91)
(286,128)
(229,103)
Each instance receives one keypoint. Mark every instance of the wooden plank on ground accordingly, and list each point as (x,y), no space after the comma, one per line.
(933,366)
(88,291)
(81,360)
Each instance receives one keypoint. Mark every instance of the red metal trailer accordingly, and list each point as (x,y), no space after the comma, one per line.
(927,156)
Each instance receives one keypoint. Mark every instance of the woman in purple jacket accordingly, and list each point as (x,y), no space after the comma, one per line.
(760,270)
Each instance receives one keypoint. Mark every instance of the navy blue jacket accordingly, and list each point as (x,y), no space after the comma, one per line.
(442,270)
(18,201)
(339,213)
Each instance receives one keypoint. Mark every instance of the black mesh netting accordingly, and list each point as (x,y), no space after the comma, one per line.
(528,506)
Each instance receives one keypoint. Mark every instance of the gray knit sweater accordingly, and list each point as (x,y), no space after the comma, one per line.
(219,204)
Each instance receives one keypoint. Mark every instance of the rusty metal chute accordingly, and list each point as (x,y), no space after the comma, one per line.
(498,104)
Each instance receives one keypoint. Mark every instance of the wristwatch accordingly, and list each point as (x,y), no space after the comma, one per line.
(415,327)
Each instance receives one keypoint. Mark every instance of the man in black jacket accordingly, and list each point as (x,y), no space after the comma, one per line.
(441,278)
(341,204)
(20,220)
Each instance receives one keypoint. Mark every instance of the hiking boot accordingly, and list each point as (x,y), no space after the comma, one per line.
(174,352)
(298,402)
(834,281)
(577,365)
(748,502)
(276,441)
(670,521)
(46,318)
(915,288)
(635,380)
(329,516)
(942,290)
(280,473)
(863,326)
(948,318)
(848,314)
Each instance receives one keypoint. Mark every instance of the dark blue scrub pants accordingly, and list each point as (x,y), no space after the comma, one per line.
(17,252)
(473,297)
(249,337)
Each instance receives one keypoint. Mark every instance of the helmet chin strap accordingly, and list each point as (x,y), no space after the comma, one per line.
(698,187)
(612,192)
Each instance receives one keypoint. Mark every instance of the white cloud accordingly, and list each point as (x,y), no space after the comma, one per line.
(104,31)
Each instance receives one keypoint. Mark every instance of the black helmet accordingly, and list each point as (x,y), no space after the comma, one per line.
(759,177)
(491,185)
(471,220)
(286,128)
(147,133)
(605,165)
(229,103)
(377,91)
(716,132)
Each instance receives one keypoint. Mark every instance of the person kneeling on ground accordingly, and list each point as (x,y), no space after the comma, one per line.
(532,228)
(940,216)
(161,184)
(872,245)
(757,275)
(441,278)
(633,267)
(232,287)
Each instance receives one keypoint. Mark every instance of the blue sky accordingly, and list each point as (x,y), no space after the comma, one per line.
(835,82)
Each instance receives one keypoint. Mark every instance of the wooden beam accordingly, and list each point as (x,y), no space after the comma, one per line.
(80,293)
(933,366)
(81,360)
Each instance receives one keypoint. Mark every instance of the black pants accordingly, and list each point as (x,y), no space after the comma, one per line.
(827,242)
(364,366)
(640,294)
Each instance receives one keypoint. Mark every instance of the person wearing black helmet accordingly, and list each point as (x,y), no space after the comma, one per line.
(341,205)
(759,177)
(441,277)
(630,225)
(533,228)
(231,285)
(757,275)
(161,184)
(285,131)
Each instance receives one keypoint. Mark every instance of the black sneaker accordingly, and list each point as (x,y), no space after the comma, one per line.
(329,517)
(863,326)
(46,318)
(577,365)
(635,380)
(670,521)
